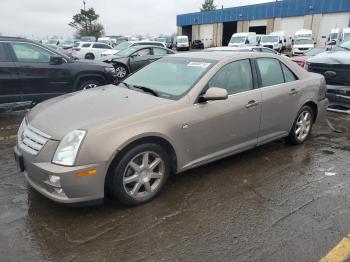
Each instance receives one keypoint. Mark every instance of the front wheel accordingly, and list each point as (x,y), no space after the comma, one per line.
(121,71)
(302,126)
(140,174)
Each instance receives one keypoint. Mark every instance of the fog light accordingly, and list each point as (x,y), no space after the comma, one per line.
(55,181)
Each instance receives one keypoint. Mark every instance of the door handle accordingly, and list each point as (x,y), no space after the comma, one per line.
(293,91)
(252,103)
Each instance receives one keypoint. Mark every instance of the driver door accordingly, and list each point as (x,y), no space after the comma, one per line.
(140,58)
(219,128)
(38,79)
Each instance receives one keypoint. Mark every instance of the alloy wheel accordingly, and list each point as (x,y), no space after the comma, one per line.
(121,72)
(143,175)
(303,125)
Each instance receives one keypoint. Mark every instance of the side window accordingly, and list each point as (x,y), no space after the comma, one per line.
(3,54)
(288,75)
(86,45)
(270,71)
(159,51)
(30,53)
(101,46)
(143,52)
(235,77)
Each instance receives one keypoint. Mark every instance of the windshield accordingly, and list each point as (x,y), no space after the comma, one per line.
(127,51)
(346,36)
(333,36)
(51,42)
(122,46)
(314,51)
(170,77)
(303,42)
(345,44)
(68,42)
(237,39)
(182,40)
(269,39)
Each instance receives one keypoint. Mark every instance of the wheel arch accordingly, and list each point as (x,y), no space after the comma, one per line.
(82,77)
(151,138)
(314,108)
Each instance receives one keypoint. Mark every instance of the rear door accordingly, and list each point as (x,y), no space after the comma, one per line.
(9,86)
(280,96)
(98,48)
(38,78)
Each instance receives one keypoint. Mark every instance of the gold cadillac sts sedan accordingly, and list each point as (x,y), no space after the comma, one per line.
(177,113)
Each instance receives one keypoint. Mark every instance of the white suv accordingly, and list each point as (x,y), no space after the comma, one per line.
(90,50)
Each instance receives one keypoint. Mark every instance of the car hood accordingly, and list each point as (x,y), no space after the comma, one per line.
(303,46)
(337,57)
(110,52)
(91,108)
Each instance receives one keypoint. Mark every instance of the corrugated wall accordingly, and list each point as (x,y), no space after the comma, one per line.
(284,8)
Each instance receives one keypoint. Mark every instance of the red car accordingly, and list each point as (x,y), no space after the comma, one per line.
(301,60)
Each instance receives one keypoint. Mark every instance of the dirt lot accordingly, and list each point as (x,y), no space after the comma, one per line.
(274,203)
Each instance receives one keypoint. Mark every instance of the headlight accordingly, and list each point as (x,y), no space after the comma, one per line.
(306,66)
(20,131)
(68,148)
(110,70)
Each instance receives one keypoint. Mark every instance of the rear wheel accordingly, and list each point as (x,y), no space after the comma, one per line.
(88,83)
(302,126)
(140,174)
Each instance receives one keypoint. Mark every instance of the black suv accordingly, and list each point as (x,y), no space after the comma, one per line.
(30,71)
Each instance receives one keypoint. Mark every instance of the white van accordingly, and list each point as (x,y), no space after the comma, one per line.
(182,43)
(302,45)
(242,39)
(276,41)
(345,34)
(303,33)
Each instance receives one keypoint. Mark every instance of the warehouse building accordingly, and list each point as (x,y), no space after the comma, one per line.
(215,28)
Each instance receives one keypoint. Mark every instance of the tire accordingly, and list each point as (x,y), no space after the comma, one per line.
(303,123)
(90,56)
(121,71)
(88,83)
(132,182)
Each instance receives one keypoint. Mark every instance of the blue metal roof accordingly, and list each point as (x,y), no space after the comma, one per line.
(284,8)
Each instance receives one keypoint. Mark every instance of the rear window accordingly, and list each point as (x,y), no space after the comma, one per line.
(86,45)
(3,54)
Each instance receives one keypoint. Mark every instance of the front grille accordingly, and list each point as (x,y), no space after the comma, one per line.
(30,139)
(303,48)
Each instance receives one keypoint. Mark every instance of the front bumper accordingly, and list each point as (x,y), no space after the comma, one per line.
(72,188)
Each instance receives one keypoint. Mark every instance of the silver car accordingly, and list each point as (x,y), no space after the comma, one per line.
(177,113)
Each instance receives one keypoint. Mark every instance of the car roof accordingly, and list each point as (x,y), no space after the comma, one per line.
(147,46)
(231,48)
(11,38)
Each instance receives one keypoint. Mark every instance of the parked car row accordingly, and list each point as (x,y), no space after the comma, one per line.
(34,72)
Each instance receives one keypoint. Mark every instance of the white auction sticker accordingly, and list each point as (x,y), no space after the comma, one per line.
(199,64)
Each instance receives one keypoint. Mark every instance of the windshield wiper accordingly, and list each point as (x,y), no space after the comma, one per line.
(146,89)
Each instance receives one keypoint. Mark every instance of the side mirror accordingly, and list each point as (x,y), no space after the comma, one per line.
(280,42)
(214,94)
(56,60)
(247,42)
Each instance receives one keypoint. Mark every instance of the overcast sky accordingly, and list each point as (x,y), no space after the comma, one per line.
(45,18)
